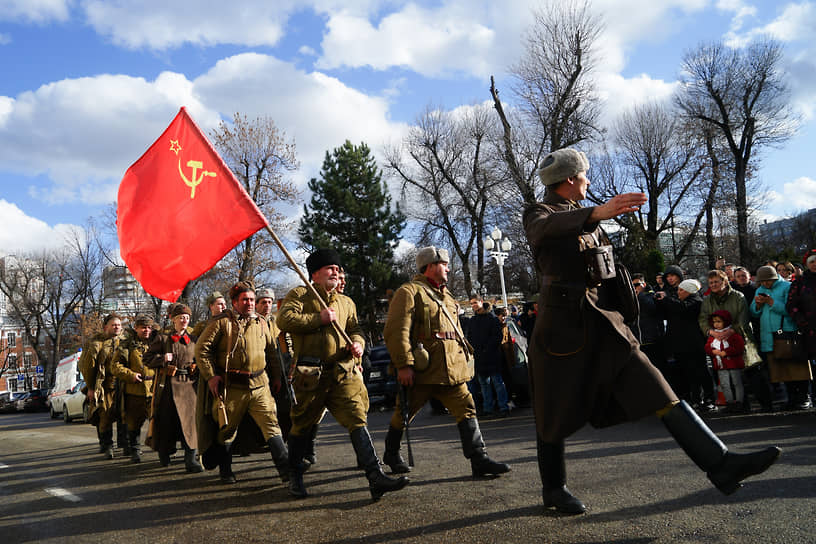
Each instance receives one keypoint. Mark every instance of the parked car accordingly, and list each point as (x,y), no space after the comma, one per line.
(35,401)
(8,402)
(382,386)
(76,405)
(19,404)
(56,401)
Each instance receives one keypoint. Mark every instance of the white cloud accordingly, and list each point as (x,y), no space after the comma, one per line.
(621,94)
(801,191)
(22,232)
(157,24)
(85,132)
(5,38)
(35,11)
(318,111)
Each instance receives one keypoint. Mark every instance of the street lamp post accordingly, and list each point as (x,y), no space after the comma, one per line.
(498,249)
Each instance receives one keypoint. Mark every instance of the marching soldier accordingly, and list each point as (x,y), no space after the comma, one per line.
(94,364)
(137,378)
(264,301)
(430,354)
(216,304)
(326,373)
(172,353)
(234,353)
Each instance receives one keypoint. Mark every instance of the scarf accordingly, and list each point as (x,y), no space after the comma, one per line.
(720,345)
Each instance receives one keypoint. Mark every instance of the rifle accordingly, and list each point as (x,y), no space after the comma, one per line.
(287,370)
(151,426)
(406,421)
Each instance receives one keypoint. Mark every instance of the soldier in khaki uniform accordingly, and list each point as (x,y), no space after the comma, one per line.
(264,302)
(216,305)
(129,367)
(94,363)
(326,373)
(234,353)
(431,357)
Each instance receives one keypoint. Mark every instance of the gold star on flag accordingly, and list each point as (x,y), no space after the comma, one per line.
(175,147)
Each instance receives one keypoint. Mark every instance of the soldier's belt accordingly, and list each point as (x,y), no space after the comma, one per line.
(242,377)
(147,378)
(444,335)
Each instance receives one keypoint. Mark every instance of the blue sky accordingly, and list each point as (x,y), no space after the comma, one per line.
(88,85)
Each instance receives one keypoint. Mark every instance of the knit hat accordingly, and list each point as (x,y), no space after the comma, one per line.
(321,258)
(690,286)
(561,164)
(765,273)
(264,293)
(809,256)
(180,309)
(674,269)
(725,315)
(215,295)
(429,255)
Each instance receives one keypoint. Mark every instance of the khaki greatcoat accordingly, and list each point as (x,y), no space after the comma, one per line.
(585,365)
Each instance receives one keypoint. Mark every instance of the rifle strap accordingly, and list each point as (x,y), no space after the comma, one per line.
(454,324)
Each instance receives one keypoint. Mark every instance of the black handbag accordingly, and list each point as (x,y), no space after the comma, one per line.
(789,345)
(623,294)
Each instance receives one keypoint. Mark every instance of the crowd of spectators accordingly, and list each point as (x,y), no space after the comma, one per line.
(716,343)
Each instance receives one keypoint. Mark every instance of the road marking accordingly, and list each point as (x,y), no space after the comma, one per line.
(62,494)
(2,466)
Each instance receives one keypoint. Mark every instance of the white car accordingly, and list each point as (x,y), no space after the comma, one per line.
(75,405)
(56,400)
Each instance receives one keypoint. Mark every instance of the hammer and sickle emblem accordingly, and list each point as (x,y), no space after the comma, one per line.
(195,165)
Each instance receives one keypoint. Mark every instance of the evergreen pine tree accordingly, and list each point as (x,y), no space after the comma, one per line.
(350,212)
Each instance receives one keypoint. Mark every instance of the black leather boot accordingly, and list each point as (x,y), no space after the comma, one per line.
(135,447)
(191,463)
(225,467)
(392,456)
(107,444)
(725,469)
(378,482)
(122,438)
(473,447)
(553,471)
(309,455)
(101,441)
(280,456)
(297,447)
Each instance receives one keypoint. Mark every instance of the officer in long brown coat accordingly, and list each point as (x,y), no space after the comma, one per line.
(326,373)
(430,354)
(585,364)
(130,369)
(236,355)
(94,364)
(172,355)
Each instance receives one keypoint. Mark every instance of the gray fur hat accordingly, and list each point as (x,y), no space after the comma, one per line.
(561,164)
(674,269)
(429,255)
(264,293)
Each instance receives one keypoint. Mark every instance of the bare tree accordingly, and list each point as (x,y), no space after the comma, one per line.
(447,177)
(260,156)
(741,93)
(555,94)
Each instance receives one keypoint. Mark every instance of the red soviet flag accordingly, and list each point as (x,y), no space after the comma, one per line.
(180,209)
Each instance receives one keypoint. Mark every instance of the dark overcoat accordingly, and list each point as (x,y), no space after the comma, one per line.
(801,306)
(174,404)
(585,364)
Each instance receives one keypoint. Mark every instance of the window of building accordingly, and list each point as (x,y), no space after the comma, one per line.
(27,360)
(12,384)
(12,361)
(11,340)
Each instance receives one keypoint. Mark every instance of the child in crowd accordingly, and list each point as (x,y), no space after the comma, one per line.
(727,357)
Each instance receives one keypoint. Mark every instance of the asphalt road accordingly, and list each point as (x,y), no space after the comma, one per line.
(638,485)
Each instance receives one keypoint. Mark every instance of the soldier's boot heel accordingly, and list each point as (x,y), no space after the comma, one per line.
(473,447)
(191,463)
(553,471)
(378,483)
(392,456)
(726,470)
(280,457)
